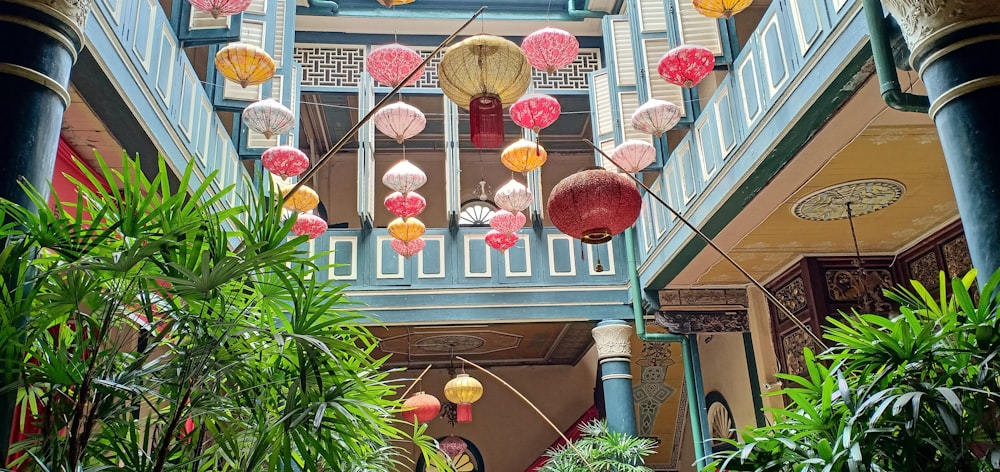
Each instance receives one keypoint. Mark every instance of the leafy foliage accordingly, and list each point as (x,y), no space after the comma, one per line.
(603,449)
(151,330)
(917,391)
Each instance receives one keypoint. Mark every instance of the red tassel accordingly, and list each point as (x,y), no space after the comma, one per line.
(464,412)
(486,121)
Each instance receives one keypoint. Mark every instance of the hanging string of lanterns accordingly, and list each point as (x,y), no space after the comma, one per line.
(513,198)
(407,231)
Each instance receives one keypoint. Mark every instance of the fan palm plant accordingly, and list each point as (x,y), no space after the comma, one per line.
(600,450)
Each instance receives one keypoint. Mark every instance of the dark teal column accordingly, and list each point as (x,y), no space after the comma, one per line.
(614,352)
(41,41)
(953,46)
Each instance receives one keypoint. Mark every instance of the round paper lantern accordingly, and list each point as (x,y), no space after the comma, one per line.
(513,197)
(523,156)
(463,391)
(720,8)
(405,205)
(453,446)
(404,177)
(506,221)
(309,224)
(400,121)
(407,248)
(390,64)
(686,65)
(218,8)
(284,161)
(550,49)
(501,241)
(245,64)
(304,199)
(484,74)
(656,117)
(268,117)
(634,155)
(392,3)
(594,204)
(406,229)
(421,407)
(535,111)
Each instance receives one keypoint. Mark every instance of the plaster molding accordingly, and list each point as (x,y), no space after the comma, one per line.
(72,13)
(923,20)
(613,340)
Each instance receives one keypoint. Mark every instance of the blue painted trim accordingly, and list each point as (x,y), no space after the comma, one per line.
(699,392)
(438,14)
(324,37)
(511,313)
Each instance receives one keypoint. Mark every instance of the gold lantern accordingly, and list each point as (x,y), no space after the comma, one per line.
(245,64)
(304,199)
(720,8)
(523,156)
(392,3)
(463,391)
(406,229)
(484,74)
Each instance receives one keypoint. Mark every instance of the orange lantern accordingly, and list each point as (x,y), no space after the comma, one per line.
(406,229)
(720,8)
(523,156)
(463,391)
(304,199)
(421,407)
(245,64)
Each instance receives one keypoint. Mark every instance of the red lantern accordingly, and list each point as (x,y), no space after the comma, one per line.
(405,205)
(550,49)
(407,248)
(486,121)
(535,111)
(501,241)
(421,407)
(309,224)
(686,65)
(507,222)
(453,446)
(390,64)
(285,161)
(594,204)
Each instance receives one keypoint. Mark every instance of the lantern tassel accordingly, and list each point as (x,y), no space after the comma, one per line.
(486,121)
(464,411)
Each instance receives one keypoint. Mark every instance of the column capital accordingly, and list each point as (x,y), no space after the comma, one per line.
(613,338)
(924,21)
(71,14)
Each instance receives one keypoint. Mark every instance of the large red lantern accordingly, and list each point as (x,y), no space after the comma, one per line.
(390,64)
(550,49)
(421,407)
(535,111)
(594,204)
(405,205)
(285,161)
(686,65)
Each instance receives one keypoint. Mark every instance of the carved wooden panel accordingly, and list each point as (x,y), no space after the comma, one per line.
(690,322)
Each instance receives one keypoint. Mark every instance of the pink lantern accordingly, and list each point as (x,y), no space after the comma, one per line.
(407,248)
(535,111)
(268,117)
(501,241)
(656,117)
(400,121)
(390,64)
(513,197)
(550,49)
(507,222)
(453,446)
(686,65)
(309,224)
(404,177)
(634,155)
(218,8)
(405,205)
(285,161)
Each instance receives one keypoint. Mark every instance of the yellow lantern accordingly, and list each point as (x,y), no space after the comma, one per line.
(304,199)
(720,8)
(392,3)
(463,391)
(523,156)
(406,229)
(245,64)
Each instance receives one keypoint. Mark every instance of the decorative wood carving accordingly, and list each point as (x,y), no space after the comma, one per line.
(703,297)
(792,296)
(690,322)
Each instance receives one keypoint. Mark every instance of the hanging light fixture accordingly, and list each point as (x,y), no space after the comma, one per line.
(535,111)
(400,121)
(501,241)
(523,156)
(407,248)
(513,197)
(507,222)
(484,74)
(304,199)
(406,229)
(405,205)
(404,177)
(463,391)
(482,191)
(390,64)
(421,407)
(245,64)
(686,65)
(594,204)
(284,161)
(656,117)
(453,446)
(720,8)
(309,224)
(218,8)
(634,155)
(550,49)
(268,117)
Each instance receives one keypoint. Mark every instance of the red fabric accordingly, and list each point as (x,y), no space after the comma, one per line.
(573,433)
(486,122)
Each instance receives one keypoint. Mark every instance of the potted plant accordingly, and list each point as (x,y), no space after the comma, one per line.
(600,450)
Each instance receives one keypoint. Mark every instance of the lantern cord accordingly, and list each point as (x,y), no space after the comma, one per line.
(381,103)
(533,407)
(767,293)
(416,380)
